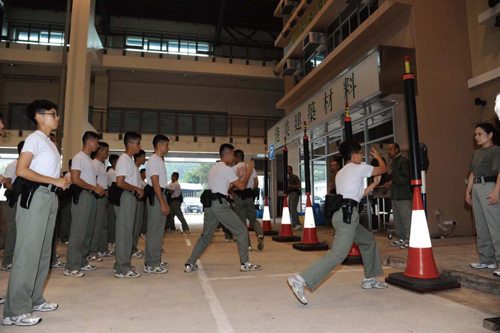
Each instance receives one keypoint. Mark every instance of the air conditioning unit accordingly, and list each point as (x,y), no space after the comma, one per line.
(290,67)
(313,41)
(287,6)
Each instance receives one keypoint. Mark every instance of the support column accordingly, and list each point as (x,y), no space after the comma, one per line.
(100,102)
(82,44)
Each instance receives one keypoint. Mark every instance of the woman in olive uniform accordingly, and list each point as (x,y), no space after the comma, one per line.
(482,193)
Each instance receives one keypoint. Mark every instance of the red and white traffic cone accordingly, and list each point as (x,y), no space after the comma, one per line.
(266,221)
(310,237)
(354,256)
(421,272)
(286,234)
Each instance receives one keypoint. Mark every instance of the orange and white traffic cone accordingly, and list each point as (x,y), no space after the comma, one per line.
(286,234)
(266,221)
(354,256)
(310,240)
(421,272)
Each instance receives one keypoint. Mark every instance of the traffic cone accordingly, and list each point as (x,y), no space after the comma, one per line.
(354,256)
(266,221)
(421,273)
(286,234)
(310,238)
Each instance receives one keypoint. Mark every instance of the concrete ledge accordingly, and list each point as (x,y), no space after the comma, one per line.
(471,281)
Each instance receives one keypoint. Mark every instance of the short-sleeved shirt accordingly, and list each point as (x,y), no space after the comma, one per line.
(220,177)
(111,176)
(332,179)
(241,172)
(126,167)
(85,165)
(293,180)
(175,187)
(10,171)
(46,159)
(486,162)
(156,167)
(100,171)
(350,180)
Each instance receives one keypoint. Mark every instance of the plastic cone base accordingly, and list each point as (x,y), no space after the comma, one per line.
(311,247)
(353,260)
(250,229)
(284,239)
(423,286)
(270,232)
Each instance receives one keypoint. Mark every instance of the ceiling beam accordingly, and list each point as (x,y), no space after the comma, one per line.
(220,20)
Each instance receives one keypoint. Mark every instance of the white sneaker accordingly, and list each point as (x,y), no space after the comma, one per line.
(297,283)
(250,248)
(46,307)
(373,283)
(22,320)
(6,268)
(188,268)
(89,267)
(58,264)
(248,267)
(297,227)
(2,300)
(260,246)
(137,255)
(155,270)
(164,264)
(399,242)
(75,273)
(95,258)
(129,275)
(229,240)
(497,273)
(478,265)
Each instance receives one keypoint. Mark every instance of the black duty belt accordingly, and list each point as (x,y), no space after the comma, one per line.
(347,209)
(218,196)
(52,188)
(487,179)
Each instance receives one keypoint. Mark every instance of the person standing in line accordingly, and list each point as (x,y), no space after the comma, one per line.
(111,176)
(244,200)
(127,179)
(10,242)
(400,193)
(39,166)
(350,184)
(139,160)
(99,243)
(175,203)
(2,299)
(293,197)
(222,178)
(156,174)
(65,210)
(144,228)
(334,169)
(482,193)
(83,208)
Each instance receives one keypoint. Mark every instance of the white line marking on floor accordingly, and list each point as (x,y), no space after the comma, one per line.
(221,319)
(188,242)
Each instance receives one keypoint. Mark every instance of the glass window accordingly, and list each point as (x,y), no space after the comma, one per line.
(334,142)
(354,22)
(363,14)
(135,42)
(320,180)
(318,149)
(358,131)
(380,126)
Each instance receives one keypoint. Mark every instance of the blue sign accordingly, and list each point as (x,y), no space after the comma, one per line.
(271,152)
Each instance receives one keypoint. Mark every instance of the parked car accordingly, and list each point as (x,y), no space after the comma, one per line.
(192,205)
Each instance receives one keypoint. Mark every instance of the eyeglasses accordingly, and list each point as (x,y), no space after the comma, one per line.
(53,114)
(135,143)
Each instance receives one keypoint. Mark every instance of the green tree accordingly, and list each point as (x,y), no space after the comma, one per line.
(199,175)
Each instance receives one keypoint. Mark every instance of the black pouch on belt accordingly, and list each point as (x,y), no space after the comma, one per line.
(75,191)
(149,193)
(347,210)
(333,203)
(27,192)
(206,198)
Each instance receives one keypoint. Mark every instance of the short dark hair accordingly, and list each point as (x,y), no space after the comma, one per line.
(142,170)
(52,134)
(38,106)
(130,136)
(176,174)
(239,154)
(70,162)
(103,144)
(113,158)
(159,138)
(347,148)
(224,149)
(290,167)
(20,146)
(139,154)
(89,135)
(396,145)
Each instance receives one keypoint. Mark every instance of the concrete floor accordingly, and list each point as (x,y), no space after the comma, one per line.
(218,298)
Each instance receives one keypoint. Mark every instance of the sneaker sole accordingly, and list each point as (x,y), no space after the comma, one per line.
(46,310)
(11,323)
(291,287)
(260,246)
(127,277)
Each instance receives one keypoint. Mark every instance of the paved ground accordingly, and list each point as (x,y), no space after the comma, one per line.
(218,298)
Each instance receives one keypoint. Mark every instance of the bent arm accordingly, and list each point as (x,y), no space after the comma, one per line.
(23,170)
(121,183)
(75,177)
(156,186)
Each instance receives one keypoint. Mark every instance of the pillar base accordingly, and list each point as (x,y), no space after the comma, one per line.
(311,247)
(423,285)
(353,260)
(283,239)
(270,233)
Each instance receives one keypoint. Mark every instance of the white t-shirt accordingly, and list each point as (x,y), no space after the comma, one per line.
(126,167)
(111,176)
(100,171)
(10,171)
(46,159)
(85,165)
(241,174)
(220,177)
(350,180)
(156,167)
(176,188)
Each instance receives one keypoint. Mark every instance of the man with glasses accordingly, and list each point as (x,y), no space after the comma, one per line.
(129,180)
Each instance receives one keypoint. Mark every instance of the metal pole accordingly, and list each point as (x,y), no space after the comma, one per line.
(307,169)
(347,123)
(285,170)
(64,71)
(266,170)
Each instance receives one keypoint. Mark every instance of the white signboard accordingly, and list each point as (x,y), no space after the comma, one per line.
(355,85)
